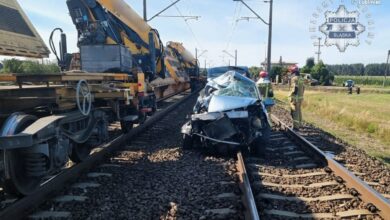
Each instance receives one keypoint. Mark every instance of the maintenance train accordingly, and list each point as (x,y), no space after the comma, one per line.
(119,74)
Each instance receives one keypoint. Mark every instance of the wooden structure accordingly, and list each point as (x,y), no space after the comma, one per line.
(26,92)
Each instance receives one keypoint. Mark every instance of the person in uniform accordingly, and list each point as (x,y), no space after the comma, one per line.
(265,87)
(296,96)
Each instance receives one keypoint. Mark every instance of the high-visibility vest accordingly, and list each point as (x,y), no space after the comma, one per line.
(301,89)
(264,89)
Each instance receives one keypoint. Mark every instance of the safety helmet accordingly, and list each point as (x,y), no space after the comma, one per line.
(293,69)
(263,74)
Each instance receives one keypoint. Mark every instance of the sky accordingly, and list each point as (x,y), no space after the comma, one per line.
(219,28)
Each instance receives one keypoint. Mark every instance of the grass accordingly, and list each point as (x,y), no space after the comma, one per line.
(368,81)
(361,120)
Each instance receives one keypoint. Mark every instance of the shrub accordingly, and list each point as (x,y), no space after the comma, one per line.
(28,67)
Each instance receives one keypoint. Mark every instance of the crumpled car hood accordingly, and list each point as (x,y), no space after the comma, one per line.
(226,103)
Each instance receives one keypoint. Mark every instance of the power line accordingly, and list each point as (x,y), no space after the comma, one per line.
(189,27)
(234,24)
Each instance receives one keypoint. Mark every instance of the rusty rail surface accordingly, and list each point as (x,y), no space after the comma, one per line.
(379,203)
(247,195)
(22,207)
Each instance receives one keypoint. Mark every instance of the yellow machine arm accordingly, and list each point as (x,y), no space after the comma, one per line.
(113,22)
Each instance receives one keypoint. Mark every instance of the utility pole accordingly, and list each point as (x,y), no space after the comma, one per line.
(269,55)
(269,36)
(319,45)
(197,56)
(234,57)
(387,69)
(145,12)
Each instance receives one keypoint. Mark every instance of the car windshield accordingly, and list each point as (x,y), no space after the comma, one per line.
(235,84)
(217,71)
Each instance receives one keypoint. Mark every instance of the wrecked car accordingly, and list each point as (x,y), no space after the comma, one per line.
(229,115)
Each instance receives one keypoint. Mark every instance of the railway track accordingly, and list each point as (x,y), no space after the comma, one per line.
(152,178)
(369,169)
(373,172)
(14,208)
(148,177)
(299,181)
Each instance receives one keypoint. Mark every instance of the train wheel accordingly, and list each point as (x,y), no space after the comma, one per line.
(187,142)
(19,180)
(80,152)
(126,126)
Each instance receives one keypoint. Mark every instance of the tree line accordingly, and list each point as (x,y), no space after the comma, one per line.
(28,67)
(359,69)
(318,71)
(325,73)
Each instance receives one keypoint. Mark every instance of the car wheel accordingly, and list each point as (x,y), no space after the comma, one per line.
(187,142)
(259,145)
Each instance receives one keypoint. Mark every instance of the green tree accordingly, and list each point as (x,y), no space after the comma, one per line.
(28,67)
(322,74)
(277,71)
(306,69)
(310,63)
(12,66)
(254,71)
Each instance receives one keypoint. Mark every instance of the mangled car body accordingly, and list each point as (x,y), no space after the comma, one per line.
(228,115)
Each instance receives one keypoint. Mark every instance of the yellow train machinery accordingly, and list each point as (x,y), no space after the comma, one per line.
(47,119)
(177,67)
(187,61)
(111,28)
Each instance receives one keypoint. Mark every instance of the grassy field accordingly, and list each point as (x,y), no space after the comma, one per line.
(361,120)
(374,81)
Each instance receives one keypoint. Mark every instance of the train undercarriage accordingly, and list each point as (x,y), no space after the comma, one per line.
(62,118)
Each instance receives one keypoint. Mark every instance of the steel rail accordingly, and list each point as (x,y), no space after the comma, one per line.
(247,196)
(22,207)
(366,193)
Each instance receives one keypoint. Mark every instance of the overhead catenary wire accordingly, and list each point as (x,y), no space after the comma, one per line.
(236,15)
(189,28)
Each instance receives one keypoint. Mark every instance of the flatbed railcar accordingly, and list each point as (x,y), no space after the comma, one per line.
(121,71)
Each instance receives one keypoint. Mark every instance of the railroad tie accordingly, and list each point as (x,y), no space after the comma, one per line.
(96,175)
(306,199)
(51,215)
(305,166)
(110,166)
(313,185)
(85,185)
(293,153)
(289,176)
(301,158)
(70,198)
(284,148)
(345,214)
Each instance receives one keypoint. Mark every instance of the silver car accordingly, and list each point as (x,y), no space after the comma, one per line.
(229,115)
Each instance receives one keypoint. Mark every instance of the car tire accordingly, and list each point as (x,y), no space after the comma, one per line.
(187,142)
(259,145)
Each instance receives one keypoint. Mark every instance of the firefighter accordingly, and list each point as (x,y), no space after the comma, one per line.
(296,96)
(265,88)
